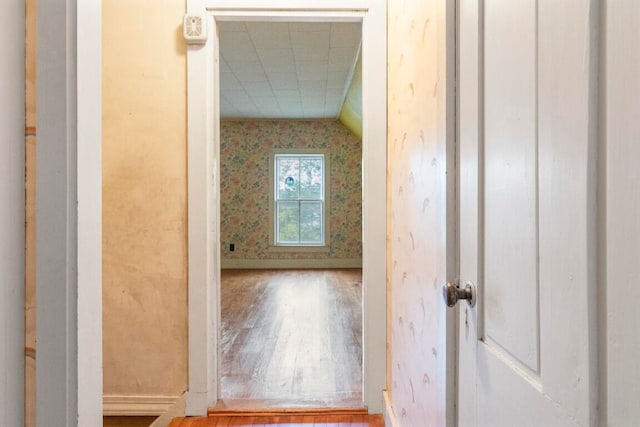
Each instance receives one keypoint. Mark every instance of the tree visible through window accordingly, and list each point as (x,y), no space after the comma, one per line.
(299,199)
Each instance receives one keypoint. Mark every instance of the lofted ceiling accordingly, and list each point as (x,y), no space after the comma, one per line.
(286,69)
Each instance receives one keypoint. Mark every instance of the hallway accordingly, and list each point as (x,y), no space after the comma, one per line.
(500,150)
(291,338)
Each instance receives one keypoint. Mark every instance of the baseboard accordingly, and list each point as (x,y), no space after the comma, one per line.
(124,405)
(250,264)
(390,419)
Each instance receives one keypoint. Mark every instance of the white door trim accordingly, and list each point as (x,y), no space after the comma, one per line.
(203,185)
(69,214)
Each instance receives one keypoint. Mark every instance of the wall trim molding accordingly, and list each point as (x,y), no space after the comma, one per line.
(140,405)
(249,264)
(389,416)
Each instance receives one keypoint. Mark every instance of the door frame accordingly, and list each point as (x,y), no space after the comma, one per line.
(203,185)
(69,213)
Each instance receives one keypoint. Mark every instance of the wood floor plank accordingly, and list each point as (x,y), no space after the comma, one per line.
(223,421)
(342,421)
(242,421)
(292,335)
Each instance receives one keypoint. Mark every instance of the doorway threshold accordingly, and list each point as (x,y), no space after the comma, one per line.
(237,407)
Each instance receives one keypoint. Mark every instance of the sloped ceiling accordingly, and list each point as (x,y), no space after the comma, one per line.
(351,113)
(285,69)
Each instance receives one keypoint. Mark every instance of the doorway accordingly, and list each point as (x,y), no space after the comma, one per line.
(204,214)
(290,199)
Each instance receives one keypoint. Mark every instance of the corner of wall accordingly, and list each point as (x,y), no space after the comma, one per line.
(351,112)
(389,416)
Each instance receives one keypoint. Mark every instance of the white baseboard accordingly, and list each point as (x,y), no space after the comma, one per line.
(249,264)
(134,406)
(390,419)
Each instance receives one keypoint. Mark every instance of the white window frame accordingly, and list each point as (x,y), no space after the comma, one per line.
(274,246)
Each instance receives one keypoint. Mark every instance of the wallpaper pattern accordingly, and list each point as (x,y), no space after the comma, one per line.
(417,206)
(245,152)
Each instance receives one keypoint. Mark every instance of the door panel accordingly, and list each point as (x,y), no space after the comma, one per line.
(510,185)
(527,223)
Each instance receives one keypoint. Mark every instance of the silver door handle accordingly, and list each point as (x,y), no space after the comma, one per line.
(452,293)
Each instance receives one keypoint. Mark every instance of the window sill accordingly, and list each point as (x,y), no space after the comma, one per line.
(298,249)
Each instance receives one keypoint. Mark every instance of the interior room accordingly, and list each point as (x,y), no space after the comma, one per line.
(291,214)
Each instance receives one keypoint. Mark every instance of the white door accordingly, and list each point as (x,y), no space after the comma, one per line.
(527,212)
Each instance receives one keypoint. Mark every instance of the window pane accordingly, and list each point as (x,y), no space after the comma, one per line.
(311,222)
(311,178)
(299,194)
(288,178)
(288,220)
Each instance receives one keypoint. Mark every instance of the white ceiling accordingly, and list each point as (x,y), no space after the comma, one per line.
(286,70)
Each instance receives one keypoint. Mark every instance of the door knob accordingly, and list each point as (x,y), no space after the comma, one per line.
(452,293)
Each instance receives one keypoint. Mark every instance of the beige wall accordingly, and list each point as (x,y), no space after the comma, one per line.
(246,148)
(417,201)
(144,198)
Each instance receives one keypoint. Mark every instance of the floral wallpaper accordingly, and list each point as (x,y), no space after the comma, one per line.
(416,260)
(245,152)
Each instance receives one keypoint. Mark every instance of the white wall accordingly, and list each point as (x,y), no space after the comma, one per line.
(621,159)
(68,214)
(12,212)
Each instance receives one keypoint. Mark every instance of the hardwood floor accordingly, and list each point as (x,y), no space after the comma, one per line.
(127,421)
(289,421)
(292,336)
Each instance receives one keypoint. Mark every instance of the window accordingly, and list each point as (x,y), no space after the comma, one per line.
(299,199)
